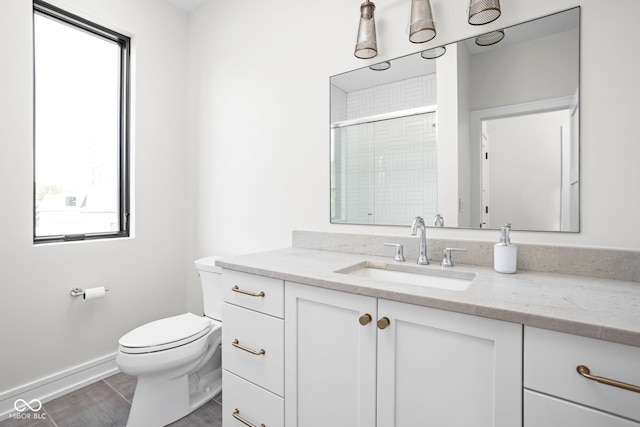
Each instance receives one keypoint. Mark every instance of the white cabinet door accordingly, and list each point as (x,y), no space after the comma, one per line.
(330,358)
(438,368)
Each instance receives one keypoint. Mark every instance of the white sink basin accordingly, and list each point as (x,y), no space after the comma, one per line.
(432,277)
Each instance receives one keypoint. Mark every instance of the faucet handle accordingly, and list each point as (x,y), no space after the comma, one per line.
(399,251)
(447,260)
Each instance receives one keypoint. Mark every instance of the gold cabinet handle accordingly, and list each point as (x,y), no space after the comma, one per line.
(383,323)
(242,291)
(236,415)
(236,344)
(585,372)
(365,319)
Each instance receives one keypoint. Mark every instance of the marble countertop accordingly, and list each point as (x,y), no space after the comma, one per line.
(597,308)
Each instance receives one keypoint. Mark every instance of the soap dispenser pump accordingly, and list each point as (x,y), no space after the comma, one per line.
(505,254)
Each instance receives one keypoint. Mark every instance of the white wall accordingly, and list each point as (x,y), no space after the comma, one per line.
(259,105)
(448,138)
(43,330)
(464,141)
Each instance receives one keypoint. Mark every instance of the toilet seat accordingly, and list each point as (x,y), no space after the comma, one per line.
(165,334)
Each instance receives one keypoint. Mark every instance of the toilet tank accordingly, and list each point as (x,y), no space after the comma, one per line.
(210,279)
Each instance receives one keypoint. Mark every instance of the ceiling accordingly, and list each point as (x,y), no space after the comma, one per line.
(187,5)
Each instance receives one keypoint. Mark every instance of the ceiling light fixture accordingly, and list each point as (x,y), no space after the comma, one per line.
(434,53)
(490,38)
(483,11)
(381,66)
(422,27)
(366,45)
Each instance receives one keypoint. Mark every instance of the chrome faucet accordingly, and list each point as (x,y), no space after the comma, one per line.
(418,222)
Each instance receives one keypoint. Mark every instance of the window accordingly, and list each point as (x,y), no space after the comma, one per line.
(81,128)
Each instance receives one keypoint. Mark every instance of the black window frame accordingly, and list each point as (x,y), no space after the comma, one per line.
(124,42)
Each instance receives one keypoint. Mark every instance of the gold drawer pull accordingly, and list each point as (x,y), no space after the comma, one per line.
(236,344)
(251,294)
(236,415)
(585,372)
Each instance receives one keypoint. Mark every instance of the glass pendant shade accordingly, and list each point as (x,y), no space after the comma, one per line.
(422,28)
(483,11)
(434,53)
(381,66)
(490,38)
(366,46)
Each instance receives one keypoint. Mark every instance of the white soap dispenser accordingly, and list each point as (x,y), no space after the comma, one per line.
(505,255)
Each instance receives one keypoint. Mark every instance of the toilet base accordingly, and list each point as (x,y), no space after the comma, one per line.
(161,401)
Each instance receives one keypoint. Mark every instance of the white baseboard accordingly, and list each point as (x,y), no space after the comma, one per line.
(50,387)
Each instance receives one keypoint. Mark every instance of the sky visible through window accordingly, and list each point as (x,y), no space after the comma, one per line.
(77,78)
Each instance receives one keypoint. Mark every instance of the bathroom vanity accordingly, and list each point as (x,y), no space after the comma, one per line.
(307,343)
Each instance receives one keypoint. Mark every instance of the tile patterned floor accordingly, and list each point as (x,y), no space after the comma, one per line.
(106,403)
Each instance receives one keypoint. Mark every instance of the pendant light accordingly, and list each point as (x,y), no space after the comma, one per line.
(490,38)
(366,46)
(422,28)
(483,11)
(434,53)
(381,66)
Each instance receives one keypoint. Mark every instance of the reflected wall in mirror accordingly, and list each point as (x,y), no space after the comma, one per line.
(479,137)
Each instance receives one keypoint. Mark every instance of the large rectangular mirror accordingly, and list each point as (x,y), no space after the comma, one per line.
(483,135)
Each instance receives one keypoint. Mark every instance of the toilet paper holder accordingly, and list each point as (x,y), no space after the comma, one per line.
(78,292)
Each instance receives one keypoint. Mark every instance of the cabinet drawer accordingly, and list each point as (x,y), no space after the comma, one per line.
(254,332)
(546,411)
(258,293)
(550,366)
(250,402)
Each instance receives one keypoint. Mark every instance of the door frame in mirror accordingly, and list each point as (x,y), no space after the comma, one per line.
(477,117)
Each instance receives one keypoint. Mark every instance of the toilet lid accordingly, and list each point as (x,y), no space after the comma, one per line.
(165,333)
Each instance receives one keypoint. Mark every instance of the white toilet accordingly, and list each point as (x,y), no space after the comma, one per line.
(178,359)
